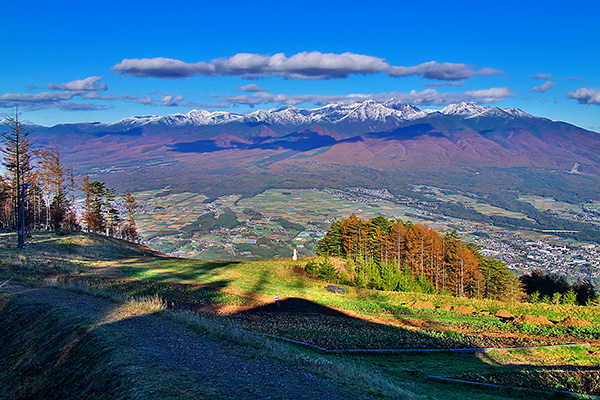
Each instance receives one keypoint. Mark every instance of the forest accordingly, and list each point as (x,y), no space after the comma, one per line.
(395,255)
(37,192)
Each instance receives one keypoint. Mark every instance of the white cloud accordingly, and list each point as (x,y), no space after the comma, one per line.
(96,96)
(442,71)
(161,67)
(427,97)
(46,100)
(544,87)
(30,101)
(144,100)
(448,83)
(586,96)
(87,84)
(171,100)
(304,65)
(73,106)
(251,88)
(491,95)
(541,76)
(243,100)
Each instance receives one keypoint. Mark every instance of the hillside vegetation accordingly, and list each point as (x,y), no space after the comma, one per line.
(397,255)
(240,295)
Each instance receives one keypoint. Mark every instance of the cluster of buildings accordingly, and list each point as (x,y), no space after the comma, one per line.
(364,196)
(566,257)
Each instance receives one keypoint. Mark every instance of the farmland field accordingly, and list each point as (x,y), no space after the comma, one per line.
(274,222)
(283,219)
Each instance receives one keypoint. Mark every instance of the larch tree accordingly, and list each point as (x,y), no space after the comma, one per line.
(60,215)
(129,231)
(53,179)
(111,213)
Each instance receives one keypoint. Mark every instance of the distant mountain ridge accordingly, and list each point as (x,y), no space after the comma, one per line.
(367,111)
(370,144)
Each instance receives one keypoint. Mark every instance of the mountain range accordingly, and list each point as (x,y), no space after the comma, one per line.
(371,144)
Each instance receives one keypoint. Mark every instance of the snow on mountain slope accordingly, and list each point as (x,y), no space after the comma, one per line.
(517,113)
(369,111)
(464,109)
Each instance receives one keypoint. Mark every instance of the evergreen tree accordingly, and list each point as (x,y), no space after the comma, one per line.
(17,160)
(95,216)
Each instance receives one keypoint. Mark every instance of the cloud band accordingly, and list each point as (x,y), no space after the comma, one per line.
(304,65)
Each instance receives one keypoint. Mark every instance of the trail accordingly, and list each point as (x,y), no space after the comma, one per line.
(168,360)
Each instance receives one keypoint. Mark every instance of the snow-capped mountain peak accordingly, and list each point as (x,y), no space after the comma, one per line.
(203,117)
(518,113)
(464,109)
(368,111)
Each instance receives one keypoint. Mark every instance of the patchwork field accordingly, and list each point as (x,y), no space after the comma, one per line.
(283,219)
(276,222)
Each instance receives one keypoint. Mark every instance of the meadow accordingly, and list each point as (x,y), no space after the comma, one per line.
(407,340)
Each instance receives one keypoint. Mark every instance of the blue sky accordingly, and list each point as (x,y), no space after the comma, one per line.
(104,61)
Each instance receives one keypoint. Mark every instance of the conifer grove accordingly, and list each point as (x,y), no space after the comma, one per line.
(396,255)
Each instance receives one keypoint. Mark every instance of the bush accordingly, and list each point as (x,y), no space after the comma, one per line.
(556,298)
(322,269)
(569,298)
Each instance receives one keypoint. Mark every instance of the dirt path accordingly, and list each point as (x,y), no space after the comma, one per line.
(168,360)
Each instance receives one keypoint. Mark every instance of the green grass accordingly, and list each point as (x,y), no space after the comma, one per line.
(54,354)
(239,294)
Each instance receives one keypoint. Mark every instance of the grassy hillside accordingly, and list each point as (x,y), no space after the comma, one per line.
(241,294)
(42,351)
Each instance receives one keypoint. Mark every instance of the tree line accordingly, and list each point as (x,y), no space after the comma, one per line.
(397,255)
(37,192)
(544,287)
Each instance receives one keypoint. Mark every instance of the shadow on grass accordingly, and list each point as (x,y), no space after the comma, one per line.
(309,322)
(209,297)
(304,321)
(157,269)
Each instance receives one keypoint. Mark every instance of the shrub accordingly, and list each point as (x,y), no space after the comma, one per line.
(322,269)
(556,298)
(570,298)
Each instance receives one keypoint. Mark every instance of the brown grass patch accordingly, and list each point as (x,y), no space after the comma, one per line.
(502,313)
(574,321)
(533,319)
(421,304)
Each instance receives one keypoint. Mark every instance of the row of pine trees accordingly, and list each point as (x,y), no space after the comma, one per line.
(396,255)
(37,192)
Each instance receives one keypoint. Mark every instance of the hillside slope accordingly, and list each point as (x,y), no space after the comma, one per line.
(80,346)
